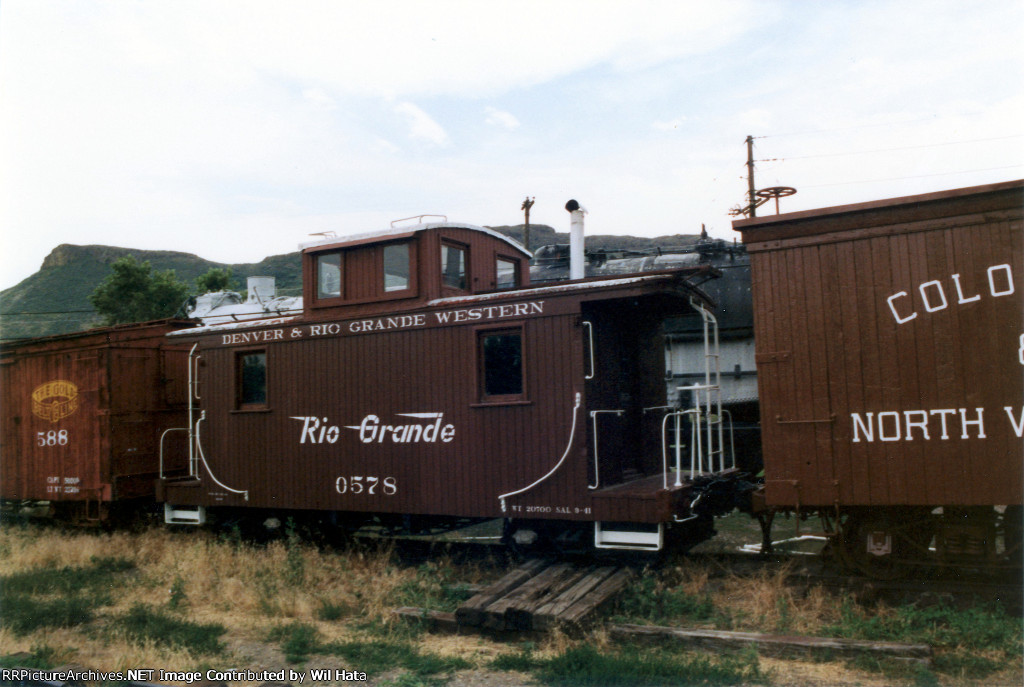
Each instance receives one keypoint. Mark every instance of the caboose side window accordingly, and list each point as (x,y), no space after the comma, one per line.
(453,266)
(501,365)
(396,267)
(251,376)
(507,274)
(328,275)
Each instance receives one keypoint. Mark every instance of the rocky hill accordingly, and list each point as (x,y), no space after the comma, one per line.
(55,300)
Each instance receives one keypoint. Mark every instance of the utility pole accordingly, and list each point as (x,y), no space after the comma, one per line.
(527,204)
(750,177)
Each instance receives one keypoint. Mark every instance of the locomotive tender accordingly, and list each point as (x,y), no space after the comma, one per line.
(890,356)
(426,377)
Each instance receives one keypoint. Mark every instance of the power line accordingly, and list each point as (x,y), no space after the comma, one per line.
(848,128)
(917,176)
(889,150)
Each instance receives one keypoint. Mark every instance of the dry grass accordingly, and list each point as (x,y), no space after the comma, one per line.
(284,587)
(247,588)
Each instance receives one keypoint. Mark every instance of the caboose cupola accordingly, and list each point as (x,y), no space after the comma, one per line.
(407,266)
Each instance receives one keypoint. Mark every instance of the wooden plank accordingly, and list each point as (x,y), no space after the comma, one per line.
(434,620)
(601,594)
(471,612)
(494,614)
(519,615)
(778,645)
(547,615)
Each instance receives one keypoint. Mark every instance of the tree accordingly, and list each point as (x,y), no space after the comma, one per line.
(132,292)
(217,279)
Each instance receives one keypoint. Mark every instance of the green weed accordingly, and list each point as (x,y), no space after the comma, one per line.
(959,637)
(433,588)
(143,623)
(333,611)
(584,665)
(414,680)
(177,592)
(378,656)
(23,614)
(66,580)
(652,601)
(58,597)
(523,661)
(41,657)
(298,641)
(295,564)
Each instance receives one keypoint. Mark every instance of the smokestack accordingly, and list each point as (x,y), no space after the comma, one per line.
(576,264)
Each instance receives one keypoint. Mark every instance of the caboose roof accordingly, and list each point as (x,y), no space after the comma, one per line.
(406,230)
(600,286)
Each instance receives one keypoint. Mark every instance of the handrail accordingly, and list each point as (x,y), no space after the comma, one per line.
(713,379)
(590,338)
(193,383)
(162,435)
(568,448)
(444,218)
(732,444)
(593,416)
(199,448)
(194,374)
(664,447)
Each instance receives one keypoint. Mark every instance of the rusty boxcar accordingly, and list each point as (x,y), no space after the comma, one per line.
(427,379)
(890,352)
(83,414)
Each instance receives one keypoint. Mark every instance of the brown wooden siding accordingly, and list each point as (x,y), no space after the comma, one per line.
(105,446)
(830,348)
(348,374)
(348,378)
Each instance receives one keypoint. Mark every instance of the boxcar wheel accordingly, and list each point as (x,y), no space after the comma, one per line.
(863,544)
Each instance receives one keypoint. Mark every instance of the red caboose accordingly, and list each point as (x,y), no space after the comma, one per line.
(83,415)
(425,377)
(890,355)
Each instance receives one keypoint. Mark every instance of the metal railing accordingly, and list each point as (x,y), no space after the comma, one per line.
(711,446)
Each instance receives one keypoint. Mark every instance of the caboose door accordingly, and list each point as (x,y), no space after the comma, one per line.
(626,376)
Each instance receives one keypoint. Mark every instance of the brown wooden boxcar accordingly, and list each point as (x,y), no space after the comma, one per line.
(890,355)
(83,414)
(426,378)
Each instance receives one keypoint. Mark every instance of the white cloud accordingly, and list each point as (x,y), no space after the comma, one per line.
(319,98)
(421,125)
(496,117)
(670,124)
(232,130)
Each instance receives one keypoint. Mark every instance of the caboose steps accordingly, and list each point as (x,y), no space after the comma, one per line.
(184,515)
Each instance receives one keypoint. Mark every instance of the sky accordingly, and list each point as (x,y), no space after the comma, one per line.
(235,129)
